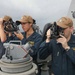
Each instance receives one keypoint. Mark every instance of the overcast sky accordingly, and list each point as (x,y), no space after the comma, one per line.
(43,11)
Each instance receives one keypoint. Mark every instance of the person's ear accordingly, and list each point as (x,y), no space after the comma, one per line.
(72,28)
(31,24)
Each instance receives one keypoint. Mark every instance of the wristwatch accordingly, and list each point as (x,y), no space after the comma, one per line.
(67,48)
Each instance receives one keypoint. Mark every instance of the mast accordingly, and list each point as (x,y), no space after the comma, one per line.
(71,12)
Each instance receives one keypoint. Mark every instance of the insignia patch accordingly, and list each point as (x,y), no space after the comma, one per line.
(73,48)
(31,43)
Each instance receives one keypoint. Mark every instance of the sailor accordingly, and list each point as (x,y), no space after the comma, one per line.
(29,35)
(62,49)
(7,21)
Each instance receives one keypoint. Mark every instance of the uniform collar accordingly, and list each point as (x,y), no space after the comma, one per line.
(72,39)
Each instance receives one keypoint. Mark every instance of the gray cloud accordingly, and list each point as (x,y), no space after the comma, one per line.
(42,11)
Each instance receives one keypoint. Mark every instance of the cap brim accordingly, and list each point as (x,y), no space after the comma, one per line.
(18,22)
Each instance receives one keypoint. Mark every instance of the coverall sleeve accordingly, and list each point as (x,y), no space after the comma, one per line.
(45,50)
(23,41)
(9,39)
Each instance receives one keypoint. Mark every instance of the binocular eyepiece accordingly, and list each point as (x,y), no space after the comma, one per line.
(56,31)
(10,26)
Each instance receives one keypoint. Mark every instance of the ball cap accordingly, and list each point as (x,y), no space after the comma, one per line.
(65,22)
(25,19)
(7,18)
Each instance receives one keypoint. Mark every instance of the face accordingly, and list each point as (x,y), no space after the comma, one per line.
(26,26)
(68,31)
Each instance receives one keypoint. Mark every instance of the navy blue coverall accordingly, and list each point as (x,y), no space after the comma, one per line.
(63,62)
(2,49)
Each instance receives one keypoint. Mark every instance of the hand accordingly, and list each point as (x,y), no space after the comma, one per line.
(8,33)
(19,35)
(63,41)
(1,23)
(48,34)
(2,33)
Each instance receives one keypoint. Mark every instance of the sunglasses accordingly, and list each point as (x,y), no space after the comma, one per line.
(23,23)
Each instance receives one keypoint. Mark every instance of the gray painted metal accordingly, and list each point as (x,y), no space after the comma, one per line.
(17,60)
(71,11)
(32,71)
